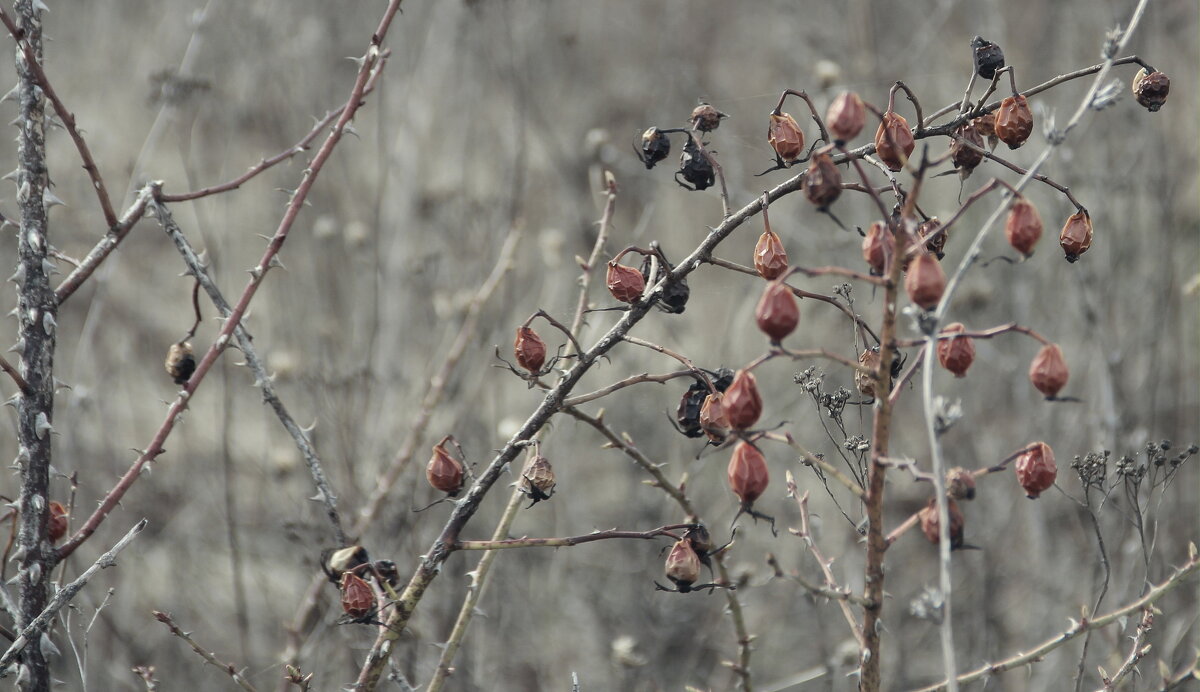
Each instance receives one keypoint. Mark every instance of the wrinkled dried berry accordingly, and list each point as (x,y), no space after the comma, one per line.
(656,146)
(957,354)
(785,137)
(624,283)
(823,182)
(742,404)
(56,521)
(529,350)
(1076,235)
(1023,227)
(358,600)
(687,414)
(964,156)
(444,472)
(713,420)
(925,281)
(537,479)
(960,484)
(937,244)
(777,313)
(845,117)
(988,57)
(705,118)
(1151,89)
(1048,371)
(694,167)
(864,382)
(748,473)
(894,142)
(1036,470)
(770,258)
(1014,121)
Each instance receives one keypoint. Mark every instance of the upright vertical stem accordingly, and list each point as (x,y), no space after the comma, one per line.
(36,308)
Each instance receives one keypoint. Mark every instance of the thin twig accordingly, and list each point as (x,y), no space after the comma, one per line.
(585,278)
(88,265)
(628,381)
(208,656)
(22,385)
(567,541)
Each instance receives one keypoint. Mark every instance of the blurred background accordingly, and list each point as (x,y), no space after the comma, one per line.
(499,116)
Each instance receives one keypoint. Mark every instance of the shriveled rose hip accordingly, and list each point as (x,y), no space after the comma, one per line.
(894,142)
(713,420)
(770,257)
(56,521)
(358,600)
(1036,470)
(1151,89)
(1014,121)
(444,472)
(925,281)
(683,565)
(960,483)
(866,383)
(957,354)
(625,283)
(529,350)
(823,182)
(748,473)
(742,404)
(931,527)
(777,313)
(1076,235)
(785,137)
(705,118)
(1048,371)
(1023,227)
(873,247)
(845,117)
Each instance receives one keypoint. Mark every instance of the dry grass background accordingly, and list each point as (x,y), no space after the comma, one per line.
(492,114)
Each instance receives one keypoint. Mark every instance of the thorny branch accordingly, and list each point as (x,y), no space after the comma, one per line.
(207,655)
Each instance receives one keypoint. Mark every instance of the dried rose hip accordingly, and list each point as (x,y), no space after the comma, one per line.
(985,124)
(957,354)
(713,420)
(845,117)
(785,137)
(624,283)
(742,404)
(444,472)
(960,484)
(925,281)
(683,565)
(1023,227)
(777,313)
(180,363)
(537,479)
(1048,372)
(358,600)
(988,57)
(748,473)
(894,142)
(705,118)
(873,248)
(1151,89)
(1036,470)
(655,147)
(936,245)
(56,521)
(687,414)
(529,350)
(965,156)
(866,383)
(1014,121)
(770,259)
(931,527)
(1076,235)
(823,182)
(695,167)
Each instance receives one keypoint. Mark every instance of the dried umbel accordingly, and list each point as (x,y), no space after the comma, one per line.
(1151,89)
(966,150)
(1048,371)
(1076,235)
(748,473)
(687,414)
(656,146)
(742,404)
(777,313)
(694,167)
(931,527)
(864,382)
(180,363)
(358,600)
(56,521)
(845,117)
(957,354)
(1023,227)
(925,281)
(785,137)
(444,472)
(936,244)
(823,182)
(894,142)
(770,259)
(624,283)
(960,484)
(705,118)
(683,565)
(988,57)
(537,479)
(873,248)
(1014,121)
(1036,470)
(530,350)
(713,420)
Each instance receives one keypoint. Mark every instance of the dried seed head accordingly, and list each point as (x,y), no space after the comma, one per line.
(894,142)
(445,473)
(713,420)
(537,479)
(931,527)
(655,147)
(865,383)
(925,281)
(695,167)
(529,350)
(785,137)
(1151,89)
(964,156)
(935,245)
(748,473)
(1036,470)
(988,57)
(823,182)
(180,363)
(1048,372)
(845,117)
(1023,227)
(957,354)
(624,283)
(770,259)
(337,562)
(683,565)
(777,313)
(1076,235)
(873,248)
(358,600)
(960,483)
(742,404)
(56,521)
(1014,121)
(705,118)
